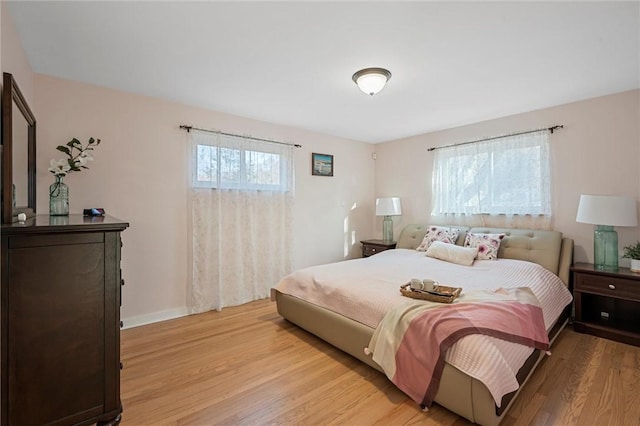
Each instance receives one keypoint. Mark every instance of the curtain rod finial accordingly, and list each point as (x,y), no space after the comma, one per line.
(560,126)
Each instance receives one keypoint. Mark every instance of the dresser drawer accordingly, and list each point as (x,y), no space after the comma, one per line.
(608,286)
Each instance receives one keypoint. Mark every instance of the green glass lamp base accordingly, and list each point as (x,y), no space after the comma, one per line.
(387,229)
(605,248)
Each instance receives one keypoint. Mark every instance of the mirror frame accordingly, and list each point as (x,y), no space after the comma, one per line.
(10,94)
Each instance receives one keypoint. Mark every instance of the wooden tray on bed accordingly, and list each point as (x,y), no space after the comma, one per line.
(448,294)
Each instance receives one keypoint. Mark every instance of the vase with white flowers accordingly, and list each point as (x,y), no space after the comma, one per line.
(78,155)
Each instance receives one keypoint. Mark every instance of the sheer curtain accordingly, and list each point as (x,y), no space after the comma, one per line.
(500,182)
(241,201)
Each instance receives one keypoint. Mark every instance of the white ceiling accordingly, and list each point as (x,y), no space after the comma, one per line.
(291,63)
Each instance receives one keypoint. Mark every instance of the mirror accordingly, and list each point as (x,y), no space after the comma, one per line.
(18,153)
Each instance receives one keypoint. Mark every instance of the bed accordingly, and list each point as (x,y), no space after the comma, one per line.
(348,320)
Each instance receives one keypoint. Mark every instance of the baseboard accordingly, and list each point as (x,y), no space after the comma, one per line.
(154,317)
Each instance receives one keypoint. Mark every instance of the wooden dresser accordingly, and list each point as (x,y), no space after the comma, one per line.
(60,311)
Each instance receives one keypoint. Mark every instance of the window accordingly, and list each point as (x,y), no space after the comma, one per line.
(241,224)
(509,175)
(233,162)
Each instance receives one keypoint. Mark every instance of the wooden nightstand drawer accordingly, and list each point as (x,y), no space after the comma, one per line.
(369,250)
(371,247)
(619,288)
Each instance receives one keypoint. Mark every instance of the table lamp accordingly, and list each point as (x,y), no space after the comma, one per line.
(388,207)
(606,211)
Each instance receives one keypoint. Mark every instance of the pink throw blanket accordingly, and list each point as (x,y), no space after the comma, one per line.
(411,341)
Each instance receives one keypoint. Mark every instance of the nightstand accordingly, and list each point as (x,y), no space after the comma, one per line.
(607,304)
(371,247)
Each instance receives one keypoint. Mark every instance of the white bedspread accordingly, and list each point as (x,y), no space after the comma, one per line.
(366,289)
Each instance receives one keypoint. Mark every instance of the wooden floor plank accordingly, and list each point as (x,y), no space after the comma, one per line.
(631,385)
(247,366)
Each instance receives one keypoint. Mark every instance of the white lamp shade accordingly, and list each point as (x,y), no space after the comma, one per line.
(608,210)
(371,80)
(388,206)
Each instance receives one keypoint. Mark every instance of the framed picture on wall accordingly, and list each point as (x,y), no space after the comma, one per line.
(321,164)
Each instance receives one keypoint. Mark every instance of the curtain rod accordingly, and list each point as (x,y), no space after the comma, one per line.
(550,129)
(189,128)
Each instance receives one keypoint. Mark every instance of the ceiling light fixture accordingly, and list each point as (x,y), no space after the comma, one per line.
(371,80)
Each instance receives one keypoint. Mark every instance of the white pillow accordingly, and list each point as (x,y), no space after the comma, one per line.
(452,253)
(438,233)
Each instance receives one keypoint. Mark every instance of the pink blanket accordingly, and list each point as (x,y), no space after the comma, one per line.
(411,341)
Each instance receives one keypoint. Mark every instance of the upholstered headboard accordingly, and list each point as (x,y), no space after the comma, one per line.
(546,248)
(412,235)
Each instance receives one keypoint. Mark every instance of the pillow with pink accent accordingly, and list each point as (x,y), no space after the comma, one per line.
(487,244)
(438,233)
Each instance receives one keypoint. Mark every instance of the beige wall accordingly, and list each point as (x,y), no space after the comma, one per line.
(140,175)
(13,58)
(597,152)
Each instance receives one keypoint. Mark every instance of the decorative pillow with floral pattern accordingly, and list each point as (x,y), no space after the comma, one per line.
(487,244)
(438,233)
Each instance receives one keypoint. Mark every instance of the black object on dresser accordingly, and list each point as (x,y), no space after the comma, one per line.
(607,303)
(371,247)
(60,311)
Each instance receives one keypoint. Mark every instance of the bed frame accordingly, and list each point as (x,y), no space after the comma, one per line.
(458,392)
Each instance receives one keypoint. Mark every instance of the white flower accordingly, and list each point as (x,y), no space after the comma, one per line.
(83,158)
(86,156)
(79,155)
(60,167)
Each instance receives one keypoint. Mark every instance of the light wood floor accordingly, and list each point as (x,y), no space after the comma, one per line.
(246,365)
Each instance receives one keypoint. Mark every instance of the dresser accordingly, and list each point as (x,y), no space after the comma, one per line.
(607,303)
(60,312)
